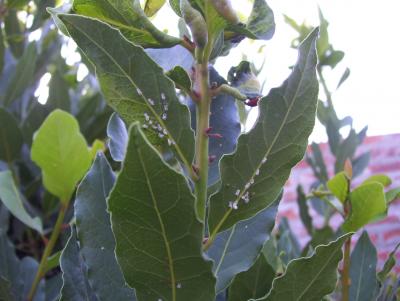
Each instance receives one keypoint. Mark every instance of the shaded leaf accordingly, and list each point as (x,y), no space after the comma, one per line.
(2,52)
(235,250)
(389,264)
(288,247)
(5,290)
(22,76)
(74,273)
(322,236)
(367,204)
(10,137)
(58,92)
(318,275)
(28,269)
(129,18)
(343,78)
(303,210)
(364,282)
(53,287)
(60,150)
(360,163)
(12,199)
(254,283)
(180,78)
(339,185)
(346,150)
(14,33)
(53,261)
(130,91)
(261,22)
(96,239)
(317,163)
(278,142)
(118,134)
(155,225)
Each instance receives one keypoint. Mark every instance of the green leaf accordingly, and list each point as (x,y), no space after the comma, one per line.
(118,135)
(346,150)
(367,204)
(74,273)
(96,239)
(254,283)
(155,225)
(22,76)
(17,3)
(364,283)
(175,5)
(343,78)
(153,6)
(360,163)
(129,90)
(317,163)
(265,155)
(60,150)
(288,247)
(58,92)
(10,137)
(303,210)
(52,262)
(389,265)
(5,290)
(28,270)
(14,33)
(322,236)
(97,146)
(12,199)
(380,178)
(180,77)
(10,265)
(235,250)
(310,278)
(339,186)
(261,22)
(129,18)
(392,195)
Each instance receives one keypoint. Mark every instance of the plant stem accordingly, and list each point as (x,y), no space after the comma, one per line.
(48,250)
(203,123)
(346,270)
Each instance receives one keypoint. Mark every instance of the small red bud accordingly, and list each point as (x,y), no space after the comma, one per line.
(208,130)
(252,102)
(218,136)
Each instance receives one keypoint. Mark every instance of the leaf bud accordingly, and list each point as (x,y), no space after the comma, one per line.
(225,10)
(194,19)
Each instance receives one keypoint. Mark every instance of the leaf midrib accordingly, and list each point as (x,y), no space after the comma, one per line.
(161,222)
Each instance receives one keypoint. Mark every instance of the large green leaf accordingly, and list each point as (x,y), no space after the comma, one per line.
(22,76)
(368,203)
(235,250)
(253,176)
(254,283)
(364,283)
(158,235)
(61,152)
(129,18)
(310,278)
(96,239)
(10,137)
(134,85)
(74,273)
(12,199)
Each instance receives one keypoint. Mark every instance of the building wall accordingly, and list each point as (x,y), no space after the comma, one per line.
(385,158)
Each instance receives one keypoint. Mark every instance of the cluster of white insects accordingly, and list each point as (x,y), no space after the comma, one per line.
(151,124)
(246,195)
